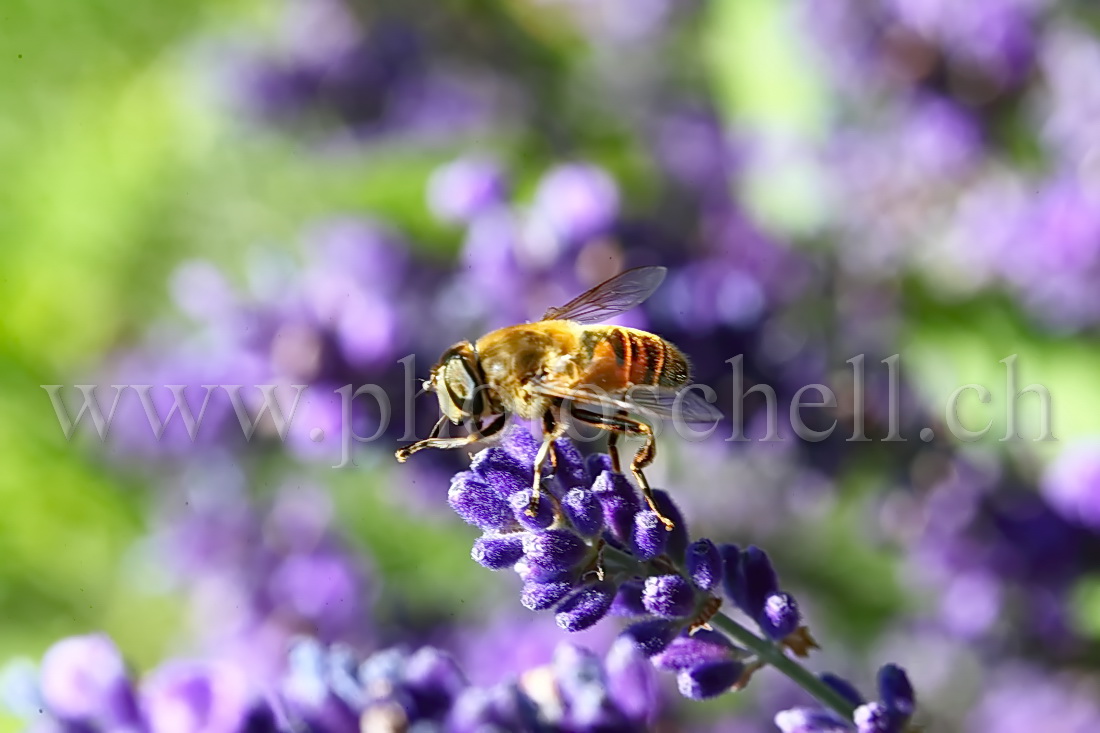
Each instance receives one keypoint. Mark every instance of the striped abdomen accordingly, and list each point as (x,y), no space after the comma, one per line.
(625,356)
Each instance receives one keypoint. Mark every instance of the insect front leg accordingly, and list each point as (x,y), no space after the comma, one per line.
(619,424)
(552,430)
(434,441)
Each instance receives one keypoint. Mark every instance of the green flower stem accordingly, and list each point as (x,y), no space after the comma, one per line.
(768,652)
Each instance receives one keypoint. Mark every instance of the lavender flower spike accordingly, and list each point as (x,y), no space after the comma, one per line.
(596,549)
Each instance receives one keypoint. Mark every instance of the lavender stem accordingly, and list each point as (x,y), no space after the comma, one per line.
(773,655)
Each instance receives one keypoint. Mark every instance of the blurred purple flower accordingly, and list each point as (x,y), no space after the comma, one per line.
(467,188)
(1021,699)
(332,690)
(1067,106)
(84,679)
(1072,485)
(188,697)
(353,78)
(576,201)
(1057,255)
(256,575)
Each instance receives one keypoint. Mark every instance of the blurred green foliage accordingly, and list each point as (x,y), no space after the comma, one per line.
(116,168)
(94,175)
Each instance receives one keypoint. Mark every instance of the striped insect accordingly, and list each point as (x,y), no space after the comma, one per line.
(564,369)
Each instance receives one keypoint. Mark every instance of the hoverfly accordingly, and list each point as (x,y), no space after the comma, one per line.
(562,368)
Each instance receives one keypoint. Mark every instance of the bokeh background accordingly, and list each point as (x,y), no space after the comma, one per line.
(307,191)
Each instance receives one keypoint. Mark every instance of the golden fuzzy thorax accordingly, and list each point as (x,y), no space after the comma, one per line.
(514,357)
(564,356)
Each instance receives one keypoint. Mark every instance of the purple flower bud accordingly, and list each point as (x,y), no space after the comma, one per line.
(83,678)
(584,511)
(649,537)
(530,573)
(632,683)
(181,696)
(668,596)
(541,596)
(579,675)
(498,553)
(552,553)
(570,472)
(874,717)
(585,607)
(596,464)
(472,711)
(478,504)
(780,616)
(709,679)
(434,681)
(759,578)
(896,690)
(504,707)
(306,691)
(733,580)
(704,564)
(619,501)
(544,514)
(692,650)
(343,676)
(846,689)
(502,471)
(383,670)
(628,601)
(651,636)
(520,444)
(810,720)
(678,537)
(464,188)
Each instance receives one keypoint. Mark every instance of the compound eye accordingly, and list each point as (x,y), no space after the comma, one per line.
(455,388)
(459,380)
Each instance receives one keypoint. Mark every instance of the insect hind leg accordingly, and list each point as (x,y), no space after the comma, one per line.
(613,446)
(619,425)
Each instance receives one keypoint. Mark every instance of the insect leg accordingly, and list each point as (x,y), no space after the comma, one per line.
(613,447)
(547,429)
(626,425)
(552,430)
(433,441)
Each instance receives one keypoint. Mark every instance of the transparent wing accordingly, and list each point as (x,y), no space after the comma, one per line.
(685,403)
(651,402)
(612,296)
